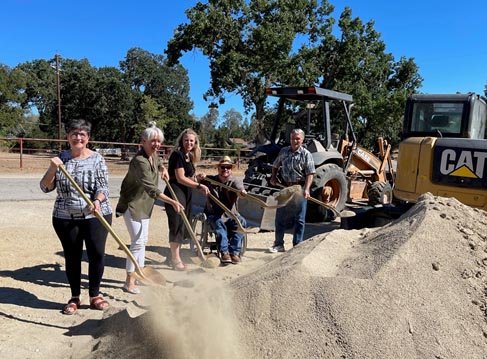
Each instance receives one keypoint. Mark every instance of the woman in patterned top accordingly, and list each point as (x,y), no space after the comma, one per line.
(73,220)
(182,178)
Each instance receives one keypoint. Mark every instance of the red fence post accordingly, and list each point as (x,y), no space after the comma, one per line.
(21,151)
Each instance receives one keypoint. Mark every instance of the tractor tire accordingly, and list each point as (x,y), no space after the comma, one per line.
(329,186)
(379,193)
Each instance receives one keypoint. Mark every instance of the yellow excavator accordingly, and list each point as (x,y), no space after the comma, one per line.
(444,150)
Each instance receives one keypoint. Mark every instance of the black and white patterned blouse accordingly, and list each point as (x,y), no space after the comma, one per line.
(91,174)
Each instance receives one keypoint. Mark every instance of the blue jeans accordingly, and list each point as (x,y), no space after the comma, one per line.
(298,220)
(227,239)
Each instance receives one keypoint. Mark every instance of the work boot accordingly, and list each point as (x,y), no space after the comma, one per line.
(235,258)
(225,258)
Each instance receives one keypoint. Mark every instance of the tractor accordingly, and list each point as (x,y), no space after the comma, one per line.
(345,172)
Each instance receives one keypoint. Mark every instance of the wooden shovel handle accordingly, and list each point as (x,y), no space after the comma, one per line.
(201,255)
(102,219)
(241,229)
(249,196)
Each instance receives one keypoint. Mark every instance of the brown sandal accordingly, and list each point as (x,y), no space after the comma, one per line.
(98,303)
(72,306)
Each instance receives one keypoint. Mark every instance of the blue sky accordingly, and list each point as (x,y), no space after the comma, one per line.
(446,38)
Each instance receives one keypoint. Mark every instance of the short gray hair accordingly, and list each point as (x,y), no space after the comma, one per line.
(78,124)
(298,131)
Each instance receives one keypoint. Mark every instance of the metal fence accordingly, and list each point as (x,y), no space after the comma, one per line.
(120,150)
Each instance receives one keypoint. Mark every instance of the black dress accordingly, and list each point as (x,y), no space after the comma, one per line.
(177,229)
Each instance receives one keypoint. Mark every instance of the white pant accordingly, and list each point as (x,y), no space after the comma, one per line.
(139,235)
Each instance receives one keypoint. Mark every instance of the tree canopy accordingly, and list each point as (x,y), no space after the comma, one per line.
(11,98)
(118,102)
(256,44)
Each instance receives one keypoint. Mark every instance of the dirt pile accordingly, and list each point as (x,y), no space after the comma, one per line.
(415,288)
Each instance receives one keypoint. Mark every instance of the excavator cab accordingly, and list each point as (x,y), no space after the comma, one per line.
(444,150)
(445,115)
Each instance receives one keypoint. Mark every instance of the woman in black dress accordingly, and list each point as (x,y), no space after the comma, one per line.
(182,178)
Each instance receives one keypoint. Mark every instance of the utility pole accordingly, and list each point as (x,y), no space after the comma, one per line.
(58,102)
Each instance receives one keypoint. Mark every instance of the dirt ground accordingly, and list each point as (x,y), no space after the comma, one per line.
(32,280)
(415,288)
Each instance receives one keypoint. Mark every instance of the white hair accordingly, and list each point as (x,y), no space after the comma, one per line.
(152,132)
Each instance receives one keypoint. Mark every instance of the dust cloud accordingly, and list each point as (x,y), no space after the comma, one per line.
(181,322)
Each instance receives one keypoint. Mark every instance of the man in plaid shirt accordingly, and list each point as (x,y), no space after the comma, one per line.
(297,167)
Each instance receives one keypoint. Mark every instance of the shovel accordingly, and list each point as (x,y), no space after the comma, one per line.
(240,228)
(205,262)
(146,274)
(342,214)
(249,196)
(298,189)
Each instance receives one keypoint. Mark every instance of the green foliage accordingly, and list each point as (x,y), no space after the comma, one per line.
(208,127)
(165,89)
(11,99)
(216,132)
(256,44)
(357,63)
(115,107)
(118,102)
(249,44)
(79,93)
(231,123)
(41,93)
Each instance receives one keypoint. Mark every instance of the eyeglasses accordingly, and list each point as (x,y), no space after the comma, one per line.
(225,168)
(80,134)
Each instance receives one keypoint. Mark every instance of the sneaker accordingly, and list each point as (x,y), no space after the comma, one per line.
(235,258)
(225,258)
(275,249)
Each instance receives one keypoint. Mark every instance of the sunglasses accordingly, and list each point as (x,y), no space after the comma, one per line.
(225,167)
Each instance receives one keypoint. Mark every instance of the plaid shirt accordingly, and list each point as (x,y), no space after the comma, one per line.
(295,166)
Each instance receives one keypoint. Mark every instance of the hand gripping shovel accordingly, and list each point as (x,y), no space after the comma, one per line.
(249,196)
(240,228)
(146,275)
(289,191)
(205,262)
